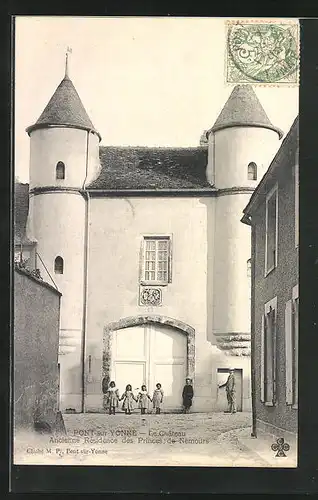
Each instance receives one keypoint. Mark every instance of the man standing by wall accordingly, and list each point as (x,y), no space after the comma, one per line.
(230,387)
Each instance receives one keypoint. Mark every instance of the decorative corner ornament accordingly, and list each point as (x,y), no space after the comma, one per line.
(280,447)
(150,297)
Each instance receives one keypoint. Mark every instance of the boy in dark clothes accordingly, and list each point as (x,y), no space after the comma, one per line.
(187,396)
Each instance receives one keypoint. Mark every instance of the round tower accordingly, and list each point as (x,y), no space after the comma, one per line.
(64,158)
(241,145)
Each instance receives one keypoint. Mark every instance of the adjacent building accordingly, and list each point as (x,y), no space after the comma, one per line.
(35,351)
(147,248)
(272,213)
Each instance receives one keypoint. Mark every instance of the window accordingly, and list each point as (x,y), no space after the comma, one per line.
(268,354)
(271,231)
(252,171)
(59,265)
(291,348)
(156,266)
(296,198)
(60,170)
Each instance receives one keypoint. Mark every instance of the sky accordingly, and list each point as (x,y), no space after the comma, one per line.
(143,81)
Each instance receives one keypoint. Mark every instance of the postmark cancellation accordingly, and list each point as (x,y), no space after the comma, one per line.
(262,52)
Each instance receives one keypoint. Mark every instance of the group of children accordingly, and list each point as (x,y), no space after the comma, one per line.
(129,399)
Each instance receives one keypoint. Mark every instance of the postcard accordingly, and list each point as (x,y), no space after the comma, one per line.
(155,241)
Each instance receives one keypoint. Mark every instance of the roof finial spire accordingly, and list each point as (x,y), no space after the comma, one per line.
(68,51)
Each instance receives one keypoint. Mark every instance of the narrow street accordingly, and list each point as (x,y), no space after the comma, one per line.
(169,439)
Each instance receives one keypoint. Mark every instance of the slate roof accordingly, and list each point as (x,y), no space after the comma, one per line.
(133,168)
(64,108)
(152,168)
(243,108)
(21,209)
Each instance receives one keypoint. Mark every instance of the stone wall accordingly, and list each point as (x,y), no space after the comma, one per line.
(36,326)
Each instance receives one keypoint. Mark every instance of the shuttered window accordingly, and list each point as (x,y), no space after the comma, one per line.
(288,353)
(268,354)
(295,343)
(291,349)
(297,199)
(271,231)
(262,365)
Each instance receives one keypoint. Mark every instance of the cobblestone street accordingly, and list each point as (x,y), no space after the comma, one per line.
(168,439)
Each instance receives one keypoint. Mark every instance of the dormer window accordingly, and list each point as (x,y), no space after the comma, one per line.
(60,170)
(59,265)
(252,171)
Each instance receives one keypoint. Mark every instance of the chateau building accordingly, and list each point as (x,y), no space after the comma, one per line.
(146,246)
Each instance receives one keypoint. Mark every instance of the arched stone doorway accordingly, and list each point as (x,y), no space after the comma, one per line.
(150,349)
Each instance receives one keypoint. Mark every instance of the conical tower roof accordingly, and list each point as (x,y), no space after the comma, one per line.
(65,108)
(243,109)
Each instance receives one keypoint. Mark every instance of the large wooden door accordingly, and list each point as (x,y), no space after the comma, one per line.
(168,363)
(149,354)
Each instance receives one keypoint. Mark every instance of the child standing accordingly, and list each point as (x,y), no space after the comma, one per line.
(143,398)
(157,398)
(129,398)
(187,396)
(112,396)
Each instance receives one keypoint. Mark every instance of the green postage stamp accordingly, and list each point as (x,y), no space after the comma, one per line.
(262,52)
